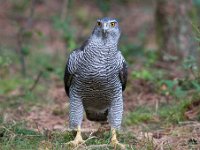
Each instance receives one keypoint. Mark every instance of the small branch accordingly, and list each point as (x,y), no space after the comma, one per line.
(21,38)
(84,130)
(104,146)
(20,51)
(83,144)
(36,81)
(23,93)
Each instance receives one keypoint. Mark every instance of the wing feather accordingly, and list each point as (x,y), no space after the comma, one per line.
(123,75)
(67,78)
(71,66)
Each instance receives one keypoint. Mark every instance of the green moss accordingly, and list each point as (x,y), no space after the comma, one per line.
(141,114)
(166,113)
(17,136)
(10,84)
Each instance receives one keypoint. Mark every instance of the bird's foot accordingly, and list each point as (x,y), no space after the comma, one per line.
(78,141)
(75,142)
(115,143)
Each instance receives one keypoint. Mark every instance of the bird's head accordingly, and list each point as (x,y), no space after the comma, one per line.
(107,30)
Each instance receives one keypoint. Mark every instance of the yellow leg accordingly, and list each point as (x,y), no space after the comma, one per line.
(114,142)
(78,139)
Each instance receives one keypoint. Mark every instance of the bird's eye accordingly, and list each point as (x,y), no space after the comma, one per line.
(113,24)
(98,23)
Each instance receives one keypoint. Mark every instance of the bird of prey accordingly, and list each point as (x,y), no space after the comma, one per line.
(95,77)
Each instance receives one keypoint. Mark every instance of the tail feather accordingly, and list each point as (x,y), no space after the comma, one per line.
(96,116)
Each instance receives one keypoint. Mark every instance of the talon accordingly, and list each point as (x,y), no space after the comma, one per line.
(77,141)
(74,143)
(114,142)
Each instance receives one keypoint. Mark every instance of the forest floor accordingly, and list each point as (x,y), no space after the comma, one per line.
(161,111)
(151,121)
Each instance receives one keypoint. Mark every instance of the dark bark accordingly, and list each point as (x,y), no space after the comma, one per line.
(174,29)
(20,51)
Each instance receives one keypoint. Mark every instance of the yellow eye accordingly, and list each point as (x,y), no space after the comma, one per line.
(112,24)
(98,23)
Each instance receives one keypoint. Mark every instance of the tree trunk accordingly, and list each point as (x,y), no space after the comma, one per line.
(174,29)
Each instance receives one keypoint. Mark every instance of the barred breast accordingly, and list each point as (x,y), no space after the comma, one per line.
(97,79)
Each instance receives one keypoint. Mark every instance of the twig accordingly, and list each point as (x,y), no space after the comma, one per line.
(36,81)
(92,137)
(85,130)
(98,146)
(21,38)
(23,93)
(20,50)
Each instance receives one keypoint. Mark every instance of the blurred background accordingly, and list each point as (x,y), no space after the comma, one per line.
(160,41)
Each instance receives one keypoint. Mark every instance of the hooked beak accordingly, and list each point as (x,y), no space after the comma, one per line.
(105,29)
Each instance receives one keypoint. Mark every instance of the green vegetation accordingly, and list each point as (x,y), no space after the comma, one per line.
(166,114)
(16,136)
